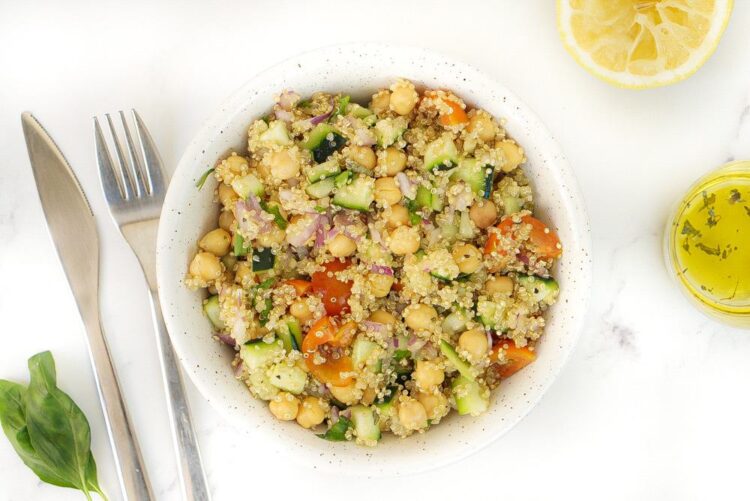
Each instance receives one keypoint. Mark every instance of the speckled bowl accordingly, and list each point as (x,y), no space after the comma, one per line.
(360,69)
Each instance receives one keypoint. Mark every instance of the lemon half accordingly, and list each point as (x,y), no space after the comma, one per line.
(642,43)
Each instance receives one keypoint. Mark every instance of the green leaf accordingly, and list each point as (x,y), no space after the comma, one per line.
(58,430)
(202,180)
(337,432)
(274,210)
(13,419)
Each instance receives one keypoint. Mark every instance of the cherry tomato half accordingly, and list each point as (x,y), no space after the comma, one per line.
(335,293)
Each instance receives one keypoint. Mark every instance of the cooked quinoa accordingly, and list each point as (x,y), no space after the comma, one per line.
(376,267)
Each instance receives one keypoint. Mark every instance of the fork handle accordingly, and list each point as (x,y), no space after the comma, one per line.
(193,480)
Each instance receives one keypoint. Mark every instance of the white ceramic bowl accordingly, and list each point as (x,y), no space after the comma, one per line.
(359,70)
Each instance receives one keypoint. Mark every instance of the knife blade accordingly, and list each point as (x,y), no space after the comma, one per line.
(72,225)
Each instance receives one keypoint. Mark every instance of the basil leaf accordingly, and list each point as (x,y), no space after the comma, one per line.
(58,429)
(13,419)
(337,432)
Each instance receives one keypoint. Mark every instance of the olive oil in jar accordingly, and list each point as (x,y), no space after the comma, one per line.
(709,243)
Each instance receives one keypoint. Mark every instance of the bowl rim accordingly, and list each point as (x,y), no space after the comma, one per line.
(581,229)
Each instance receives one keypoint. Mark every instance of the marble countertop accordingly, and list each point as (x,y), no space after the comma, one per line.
(653,402)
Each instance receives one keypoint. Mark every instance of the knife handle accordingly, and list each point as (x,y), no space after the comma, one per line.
(128,460)
(193,480)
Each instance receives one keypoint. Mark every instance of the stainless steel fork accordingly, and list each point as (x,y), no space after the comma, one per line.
(134,187)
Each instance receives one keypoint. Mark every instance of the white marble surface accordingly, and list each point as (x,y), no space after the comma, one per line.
(653,403)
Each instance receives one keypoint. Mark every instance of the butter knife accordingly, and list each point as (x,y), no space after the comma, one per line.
(72,226)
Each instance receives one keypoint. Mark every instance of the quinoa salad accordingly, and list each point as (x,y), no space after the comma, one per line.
(376,266)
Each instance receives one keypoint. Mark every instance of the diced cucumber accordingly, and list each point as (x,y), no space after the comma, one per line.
(365,425)
(322,141)
(441,154)
(358,111)
(240,249)
(337,432)
(470,172)
(389,130)
(459,363)
(366,353)
(543,290)
(211,308)
(287,378)
(511,205)
(263,259)
(247,185)
(321,189)
(257,354)
(449,231)
(489,181)
(261,385)
(423,198)
(276,134)
(274,209)
(403,364)
(491,314)
(290,333)
(441,265)
(471,397)
(342,179)
(322,171)
(357,195)
(455,322)
(465,226)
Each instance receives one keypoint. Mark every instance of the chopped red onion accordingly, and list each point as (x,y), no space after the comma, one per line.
(407,186)
(322,118)
(364,137)
(381,269)
(375,234)
(248,211)
(238,369)
(287,100)
(395,342)
(284,115)
(226,339)
(374,326)
(334,414)
(463,201)
(306,230)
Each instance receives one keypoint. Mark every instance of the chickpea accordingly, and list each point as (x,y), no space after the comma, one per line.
(216,242)
(283,165)
(362,156)
(382,317)
(226,220)
(284,406)
(481,123)
(412,414)
(392,161)
(404,240)
(435,404)
(227,196)
(348,395)
(513,155)
(380,285)
(243,273)
(206,266)
(380,102)
(236,164)
(341,246)
(428,374)
(300,310)
(467,257)
(395,216)
(403,97)
(483,214)
(312,412)
(474,342)
(499,285)
(270,238)
(387,191)
(420,317)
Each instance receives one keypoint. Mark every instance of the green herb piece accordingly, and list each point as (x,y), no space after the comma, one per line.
(337,432)
(689,229)
(747,209)
(275,211)
(240,249)
(735,197)
(712,220)
(708,201)
(48,430)
(263,316)
(304,103)
(320,209)
(202,180)
(709,250)
(267,283)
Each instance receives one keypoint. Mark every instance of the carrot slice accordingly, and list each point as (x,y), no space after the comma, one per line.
(300,286)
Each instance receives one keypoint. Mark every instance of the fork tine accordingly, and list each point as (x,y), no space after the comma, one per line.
(111,182)
(125,176)
(151,156)
(141,184)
